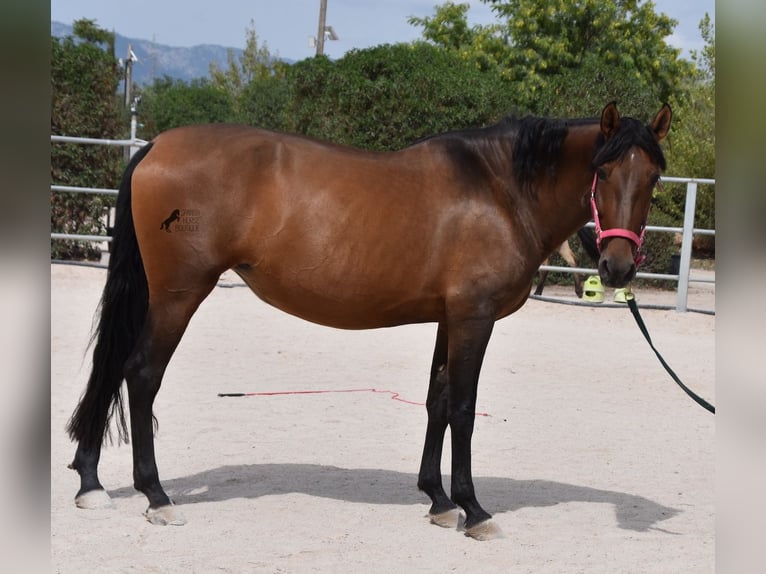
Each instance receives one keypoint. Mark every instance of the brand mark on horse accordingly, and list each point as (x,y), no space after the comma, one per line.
(186,220)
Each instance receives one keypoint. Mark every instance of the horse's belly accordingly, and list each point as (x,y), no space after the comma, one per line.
(343,302)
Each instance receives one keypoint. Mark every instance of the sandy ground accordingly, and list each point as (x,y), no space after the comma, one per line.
(591,459)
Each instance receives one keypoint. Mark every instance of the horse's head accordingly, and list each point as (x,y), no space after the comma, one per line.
(628,166)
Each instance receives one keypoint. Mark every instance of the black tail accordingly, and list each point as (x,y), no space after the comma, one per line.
(588,239)
(123,310)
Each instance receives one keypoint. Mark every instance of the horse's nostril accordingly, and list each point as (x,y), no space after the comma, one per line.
(603,269)
(629,275)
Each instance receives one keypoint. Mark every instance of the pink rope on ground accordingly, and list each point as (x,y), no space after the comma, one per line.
(394,395)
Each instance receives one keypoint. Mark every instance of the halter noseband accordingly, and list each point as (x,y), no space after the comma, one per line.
(638,240)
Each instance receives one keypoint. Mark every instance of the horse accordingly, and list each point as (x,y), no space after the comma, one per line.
(449,230)
(566,253)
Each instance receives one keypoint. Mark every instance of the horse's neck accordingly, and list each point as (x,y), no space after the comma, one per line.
(563,205)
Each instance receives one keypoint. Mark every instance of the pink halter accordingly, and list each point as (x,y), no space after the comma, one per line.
(601,234)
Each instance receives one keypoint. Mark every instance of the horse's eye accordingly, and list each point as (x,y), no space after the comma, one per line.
(601,174)
(655,179)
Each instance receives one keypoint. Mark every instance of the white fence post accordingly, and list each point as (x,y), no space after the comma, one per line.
(686,246)
(133,125)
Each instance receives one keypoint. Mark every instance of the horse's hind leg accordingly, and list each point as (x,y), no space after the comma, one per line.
(568,255)
(541,277)
(442,510)
(168,316)
(578,285)
(91,494)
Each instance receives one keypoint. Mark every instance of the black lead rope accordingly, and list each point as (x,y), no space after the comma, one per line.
(697,399)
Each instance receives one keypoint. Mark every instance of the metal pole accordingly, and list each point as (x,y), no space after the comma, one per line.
(320,33)
(128,75)
(686,246)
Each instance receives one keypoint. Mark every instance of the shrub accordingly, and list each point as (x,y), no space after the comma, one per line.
(84,79)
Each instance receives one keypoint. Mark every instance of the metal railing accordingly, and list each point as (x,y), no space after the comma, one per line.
(134,144)
(683,278)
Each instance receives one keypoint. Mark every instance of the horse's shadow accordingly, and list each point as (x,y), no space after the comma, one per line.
(377,486)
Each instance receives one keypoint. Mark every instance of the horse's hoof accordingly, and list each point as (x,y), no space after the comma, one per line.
(487,530)
(94,499)
(167,515)
(448,519)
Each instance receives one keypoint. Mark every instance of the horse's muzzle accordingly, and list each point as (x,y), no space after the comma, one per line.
(616,271)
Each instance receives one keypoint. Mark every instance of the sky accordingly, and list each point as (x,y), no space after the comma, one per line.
(286,25)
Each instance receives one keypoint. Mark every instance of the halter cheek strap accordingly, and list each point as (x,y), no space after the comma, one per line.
(638,240)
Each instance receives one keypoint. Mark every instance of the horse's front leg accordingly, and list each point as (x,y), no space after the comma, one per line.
(468,340)
(443,510)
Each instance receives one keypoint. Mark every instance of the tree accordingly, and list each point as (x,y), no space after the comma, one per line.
(691,152)
(254,64)
(536,40)
(546,37)
(84,79)
(705,59)
(693,147)
(251,90)
(170,103)
(87,30)
(448,27)
(485,46)
(264,102)
(583,91)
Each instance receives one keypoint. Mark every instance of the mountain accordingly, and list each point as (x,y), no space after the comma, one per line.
(158,60)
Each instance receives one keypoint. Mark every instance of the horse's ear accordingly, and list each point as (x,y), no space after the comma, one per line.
(610,119)
(661,122)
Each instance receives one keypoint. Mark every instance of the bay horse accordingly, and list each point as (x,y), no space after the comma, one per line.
(450,230)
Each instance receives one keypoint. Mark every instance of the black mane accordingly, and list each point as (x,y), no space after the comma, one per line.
(537,145)
(534,144)
(537,141)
